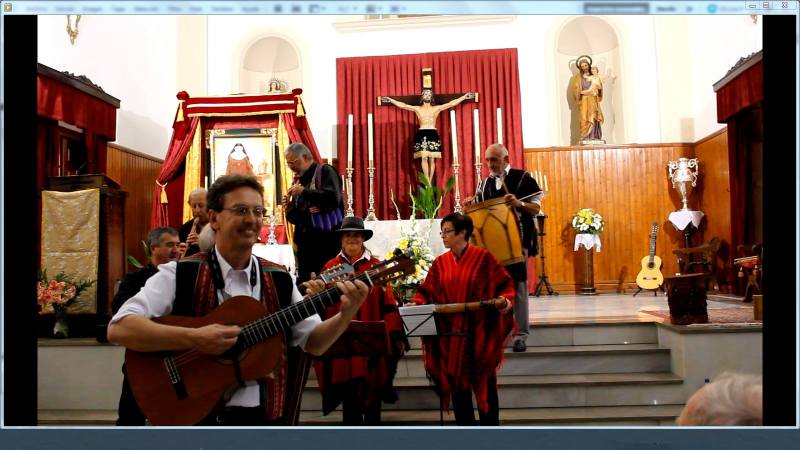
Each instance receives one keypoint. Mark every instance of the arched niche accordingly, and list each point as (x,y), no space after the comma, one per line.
(269,64)
(595,37)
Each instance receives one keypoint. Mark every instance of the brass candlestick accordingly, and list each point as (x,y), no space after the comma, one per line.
(271,238)
(457,207)
(348,187)
(371,209)
(478,166)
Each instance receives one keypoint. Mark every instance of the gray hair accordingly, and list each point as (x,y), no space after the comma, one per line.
(196,191)
(154,236)
(299,149)
(206,238)
(730,400)
(499,147)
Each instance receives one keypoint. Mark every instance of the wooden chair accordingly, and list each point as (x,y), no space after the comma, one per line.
(750,263)
(688,259)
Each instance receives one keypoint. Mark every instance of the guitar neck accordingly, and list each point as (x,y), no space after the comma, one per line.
(653,244)
(270,325)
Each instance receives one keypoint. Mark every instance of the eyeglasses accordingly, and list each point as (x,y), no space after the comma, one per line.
(242,211)
(445,232)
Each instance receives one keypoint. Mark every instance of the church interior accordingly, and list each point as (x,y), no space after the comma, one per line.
(136,112)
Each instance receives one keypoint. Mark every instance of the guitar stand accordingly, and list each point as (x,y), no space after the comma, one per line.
(655,291)
(543,280)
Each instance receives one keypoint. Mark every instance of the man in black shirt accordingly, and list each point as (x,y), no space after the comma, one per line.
(314,205)
(164,247)
(519,190)
(190,230)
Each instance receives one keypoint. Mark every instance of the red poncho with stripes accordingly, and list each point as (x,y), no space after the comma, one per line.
(458,363)
(380,304)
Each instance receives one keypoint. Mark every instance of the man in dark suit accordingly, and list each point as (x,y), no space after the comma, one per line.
(313,204)
(519,190)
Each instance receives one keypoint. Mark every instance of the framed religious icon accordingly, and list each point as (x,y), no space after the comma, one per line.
(246,152)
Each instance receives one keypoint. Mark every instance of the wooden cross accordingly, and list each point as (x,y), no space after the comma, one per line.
(427,83)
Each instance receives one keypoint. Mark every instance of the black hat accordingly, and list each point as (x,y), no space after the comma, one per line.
(354,223)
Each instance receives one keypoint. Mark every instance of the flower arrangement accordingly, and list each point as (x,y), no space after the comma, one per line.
(59,293)
(426,145)
(586,221)
(420,253)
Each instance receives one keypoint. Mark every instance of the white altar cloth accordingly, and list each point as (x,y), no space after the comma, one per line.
(387,233)
(280,254)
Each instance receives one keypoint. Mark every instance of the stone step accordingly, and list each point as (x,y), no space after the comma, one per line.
(576,359)
(77,417)
(542,391)
(552,360)
(556,334)
(652,415)
(596,416)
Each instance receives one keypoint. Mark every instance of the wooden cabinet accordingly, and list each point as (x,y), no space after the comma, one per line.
(111,262)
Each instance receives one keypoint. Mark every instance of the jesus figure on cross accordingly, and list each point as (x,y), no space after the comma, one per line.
(427,144)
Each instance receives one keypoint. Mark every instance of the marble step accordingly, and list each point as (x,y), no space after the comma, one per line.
(650,415)
(542,391)
(576,416)
(576,359)
(77,417)
(557,334)
(552,360)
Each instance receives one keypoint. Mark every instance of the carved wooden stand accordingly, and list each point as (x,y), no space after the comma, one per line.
(588,272)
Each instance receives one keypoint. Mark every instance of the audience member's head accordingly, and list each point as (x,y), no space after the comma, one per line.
(730,400)
(206,238)
(164,245)
(197,200)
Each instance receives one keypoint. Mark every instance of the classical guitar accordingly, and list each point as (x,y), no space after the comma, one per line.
(184,387)
(650,276)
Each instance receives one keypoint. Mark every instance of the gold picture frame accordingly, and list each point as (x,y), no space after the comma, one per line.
(248,152)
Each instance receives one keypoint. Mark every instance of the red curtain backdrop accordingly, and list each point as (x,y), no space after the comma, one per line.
(734,103)
(57,101)
(493,74)
(173,169)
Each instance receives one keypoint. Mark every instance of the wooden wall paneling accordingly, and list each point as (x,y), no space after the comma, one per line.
(713,197)
(628,185)
(136,173)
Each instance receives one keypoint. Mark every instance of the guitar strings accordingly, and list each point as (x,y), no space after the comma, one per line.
(255,328)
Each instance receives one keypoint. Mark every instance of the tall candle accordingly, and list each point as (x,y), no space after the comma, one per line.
(454,135)
(369,137)
(477,126)
(349,141)
(499,125)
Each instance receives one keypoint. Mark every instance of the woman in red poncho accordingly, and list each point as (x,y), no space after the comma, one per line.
(361,383)
(464,358)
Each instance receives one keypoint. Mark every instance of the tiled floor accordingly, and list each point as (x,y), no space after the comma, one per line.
(603,308)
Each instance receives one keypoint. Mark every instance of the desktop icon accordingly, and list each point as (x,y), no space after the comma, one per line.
(7,7)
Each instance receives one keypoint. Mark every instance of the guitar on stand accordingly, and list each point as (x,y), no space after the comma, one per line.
(183,387)
(650,276)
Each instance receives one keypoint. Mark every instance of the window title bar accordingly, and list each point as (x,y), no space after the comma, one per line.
(390,8)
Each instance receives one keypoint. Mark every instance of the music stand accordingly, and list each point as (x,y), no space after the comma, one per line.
(418,321)
(543,280)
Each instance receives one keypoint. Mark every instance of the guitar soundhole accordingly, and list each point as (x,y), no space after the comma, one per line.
(650,265)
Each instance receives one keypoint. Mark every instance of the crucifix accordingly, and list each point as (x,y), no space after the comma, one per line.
(427,106)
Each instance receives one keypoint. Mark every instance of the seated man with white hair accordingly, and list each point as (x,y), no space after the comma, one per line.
(730,400)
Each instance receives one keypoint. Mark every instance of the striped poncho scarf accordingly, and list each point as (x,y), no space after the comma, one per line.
(469,348)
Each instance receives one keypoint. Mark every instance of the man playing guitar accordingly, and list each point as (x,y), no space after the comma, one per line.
(197,285)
